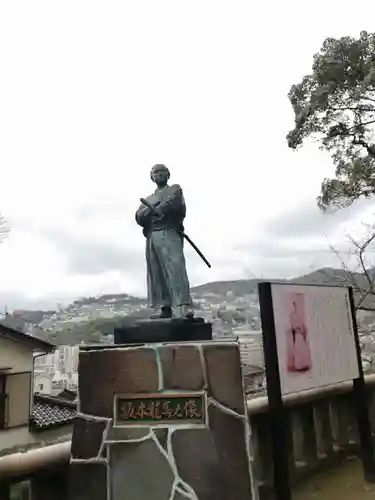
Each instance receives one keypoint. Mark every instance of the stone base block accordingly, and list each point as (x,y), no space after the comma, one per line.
(164,422)
(88,481)
(51,485)
(164,330)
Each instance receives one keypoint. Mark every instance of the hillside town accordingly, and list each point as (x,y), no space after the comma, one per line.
(231,317)
(91,320)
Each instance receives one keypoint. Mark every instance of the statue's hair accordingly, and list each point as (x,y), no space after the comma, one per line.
(159,165)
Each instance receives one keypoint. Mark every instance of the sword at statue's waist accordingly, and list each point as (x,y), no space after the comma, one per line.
(155,211)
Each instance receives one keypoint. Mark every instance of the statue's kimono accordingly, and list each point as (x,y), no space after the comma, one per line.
(167,280)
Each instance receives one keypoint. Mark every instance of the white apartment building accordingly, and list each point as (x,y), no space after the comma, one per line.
(57,371)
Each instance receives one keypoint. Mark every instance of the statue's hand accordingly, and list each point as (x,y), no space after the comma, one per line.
(159,217)
(146,212)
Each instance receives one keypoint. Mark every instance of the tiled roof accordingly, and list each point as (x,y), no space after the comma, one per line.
(32,343)
(51,412)
(68,395)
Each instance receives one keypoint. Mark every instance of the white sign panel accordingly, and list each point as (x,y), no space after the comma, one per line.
(314,335)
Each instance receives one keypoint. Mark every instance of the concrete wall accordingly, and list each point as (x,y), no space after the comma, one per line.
(20,437)
(18,362)
(43,383)
(15,356)
(19,394)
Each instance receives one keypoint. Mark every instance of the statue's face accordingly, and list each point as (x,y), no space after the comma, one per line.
(160,176)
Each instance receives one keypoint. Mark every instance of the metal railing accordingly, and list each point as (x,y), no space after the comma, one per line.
(321,429)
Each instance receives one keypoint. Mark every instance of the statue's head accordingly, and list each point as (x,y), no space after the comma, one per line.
(160,174)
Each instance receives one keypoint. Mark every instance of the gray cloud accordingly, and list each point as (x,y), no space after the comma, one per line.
(90,256)
(273,256)
(270,256)
(274,248)
(286,266)
(307,220)
(12,300)
(107,208)
(294,242)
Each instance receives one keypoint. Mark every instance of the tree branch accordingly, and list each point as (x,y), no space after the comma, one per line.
(4,228)
(363,308)
(370,122)
(367,289)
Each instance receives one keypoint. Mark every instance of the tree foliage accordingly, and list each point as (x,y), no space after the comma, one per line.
(4,228)
(335,105)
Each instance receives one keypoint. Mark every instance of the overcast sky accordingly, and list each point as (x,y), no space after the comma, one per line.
(93,93)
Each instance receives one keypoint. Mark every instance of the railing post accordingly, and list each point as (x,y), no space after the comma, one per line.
(323,426)
(4,491)
(261,441)
(305,443)
(52,485)
(344,423)
(371,406)
(353,433)
(289,431)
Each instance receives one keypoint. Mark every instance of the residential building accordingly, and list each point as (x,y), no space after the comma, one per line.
(57,371)
(24,415)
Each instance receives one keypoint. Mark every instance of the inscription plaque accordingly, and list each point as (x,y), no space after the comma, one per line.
(160,409)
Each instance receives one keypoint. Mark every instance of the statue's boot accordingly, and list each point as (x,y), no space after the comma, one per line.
(165,312)
(186,312)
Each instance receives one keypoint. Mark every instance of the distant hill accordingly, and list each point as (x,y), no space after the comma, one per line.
(92,331)
(113,298)
(324,276)
(238,287)
(329,276)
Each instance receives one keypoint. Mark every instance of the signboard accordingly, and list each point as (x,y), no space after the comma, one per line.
(310,340)
(314,335)
(160,409)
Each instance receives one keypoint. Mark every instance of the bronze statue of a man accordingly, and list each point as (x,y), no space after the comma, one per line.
(167,280)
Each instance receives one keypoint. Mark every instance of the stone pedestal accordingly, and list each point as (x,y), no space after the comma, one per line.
(161,422)
(51,485)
